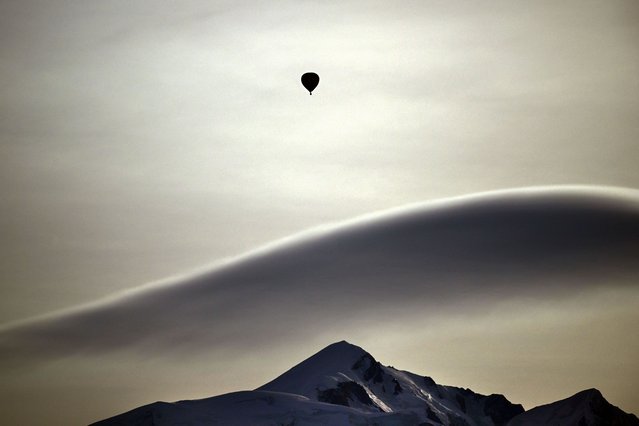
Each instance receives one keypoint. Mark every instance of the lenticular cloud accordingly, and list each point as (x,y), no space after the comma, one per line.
(423,260)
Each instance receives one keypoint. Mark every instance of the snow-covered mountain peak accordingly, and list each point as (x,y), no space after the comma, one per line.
(345,374)
(326,368)
(344,385)
(337,353)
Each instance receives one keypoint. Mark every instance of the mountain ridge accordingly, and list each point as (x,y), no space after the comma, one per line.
(588,407)
(343,384)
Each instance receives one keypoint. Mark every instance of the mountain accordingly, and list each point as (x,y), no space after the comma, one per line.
(340,385)
(344,374)
(344,385)
(586,408)
(248,408)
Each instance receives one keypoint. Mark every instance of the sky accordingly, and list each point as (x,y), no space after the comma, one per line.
(143,141)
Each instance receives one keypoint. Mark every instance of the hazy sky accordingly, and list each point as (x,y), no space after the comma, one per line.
(140,139)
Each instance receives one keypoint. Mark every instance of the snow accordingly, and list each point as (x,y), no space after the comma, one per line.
(385,408)
(390,390)
(256,408)
(323,370)
(342,370)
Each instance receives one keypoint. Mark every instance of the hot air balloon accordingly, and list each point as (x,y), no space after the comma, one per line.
(310,80)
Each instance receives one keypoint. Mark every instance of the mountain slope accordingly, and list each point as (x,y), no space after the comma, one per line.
(254,408)
(345,374)
(344,385)
(586,408)
(340,385)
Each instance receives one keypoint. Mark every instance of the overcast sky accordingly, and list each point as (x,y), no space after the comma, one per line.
(140,140)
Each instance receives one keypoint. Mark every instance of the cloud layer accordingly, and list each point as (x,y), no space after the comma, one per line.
(431,258)
(531,293)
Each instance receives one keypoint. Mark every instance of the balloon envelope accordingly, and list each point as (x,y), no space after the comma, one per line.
(310,80)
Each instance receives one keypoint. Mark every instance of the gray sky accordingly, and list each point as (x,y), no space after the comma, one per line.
(140,141)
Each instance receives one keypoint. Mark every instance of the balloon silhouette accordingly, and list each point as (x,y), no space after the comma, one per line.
(310,80)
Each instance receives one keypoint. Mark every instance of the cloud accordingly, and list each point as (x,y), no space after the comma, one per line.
(457,255)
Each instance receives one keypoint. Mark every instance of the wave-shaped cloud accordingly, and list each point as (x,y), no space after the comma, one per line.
(424,259)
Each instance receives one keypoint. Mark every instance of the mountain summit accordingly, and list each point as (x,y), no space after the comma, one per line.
(344,385)
(345,374)
(586,408)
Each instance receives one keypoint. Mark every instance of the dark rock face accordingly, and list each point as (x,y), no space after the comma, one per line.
(432,387)
(373,369)
(433,416)
(461,402)
(500,410)
(429,382)
(398,388)
(343,393)
(606,414)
